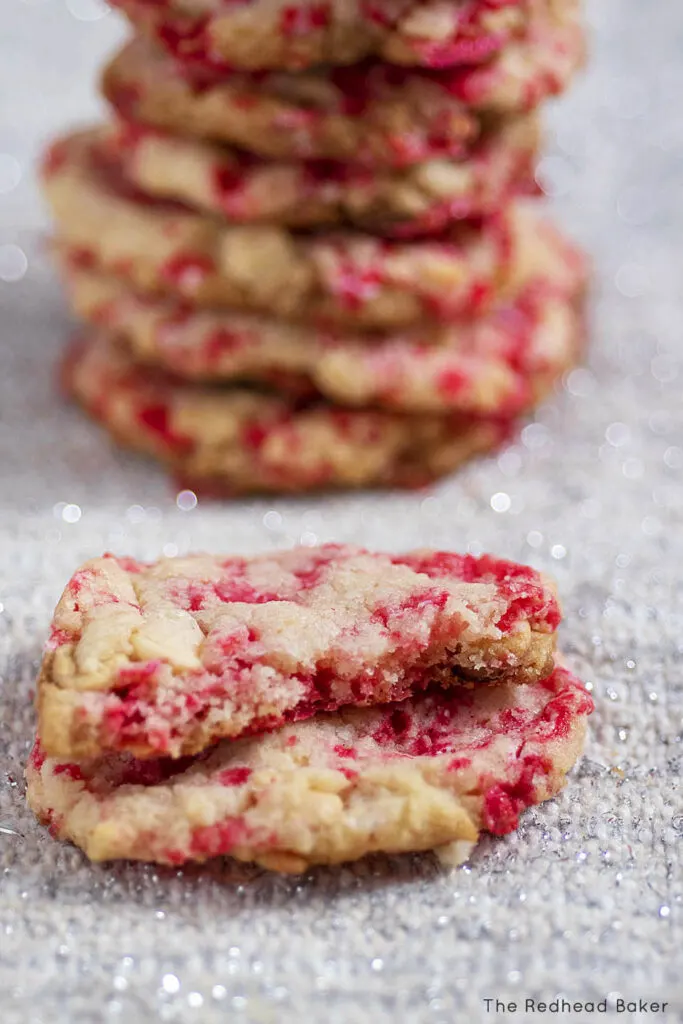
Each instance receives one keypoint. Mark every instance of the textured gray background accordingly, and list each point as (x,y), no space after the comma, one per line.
(587,899)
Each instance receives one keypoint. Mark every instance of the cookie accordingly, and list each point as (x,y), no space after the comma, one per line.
(373,114)
(497,364)
(420,200)
(340,277)
(223,442)
(427,773)
(168,657)
(300,33)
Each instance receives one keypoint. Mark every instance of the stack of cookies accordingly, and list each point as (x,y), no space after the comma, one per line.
(304,246)
(301,707)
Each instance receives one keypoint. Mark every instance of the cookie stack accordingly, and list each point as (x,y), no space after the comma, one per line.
(301,707)
(304,245)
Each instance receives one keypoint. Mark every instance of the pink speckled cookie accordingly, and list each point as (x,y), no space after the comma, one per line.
(427,773)
(498,364)
(423,199)
(300,33)
(372,113)
(337,277)
(167,658)
(222,442)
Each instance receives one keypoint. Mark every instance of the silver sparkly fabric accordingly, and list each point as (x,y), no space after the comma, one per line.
(586,901)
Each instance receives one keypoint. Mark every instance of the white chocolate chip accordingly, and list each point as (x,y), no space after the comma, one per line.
(172,635)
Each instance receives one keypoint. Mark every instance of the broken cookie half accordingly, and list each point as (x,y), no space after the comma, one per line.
(166,659)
